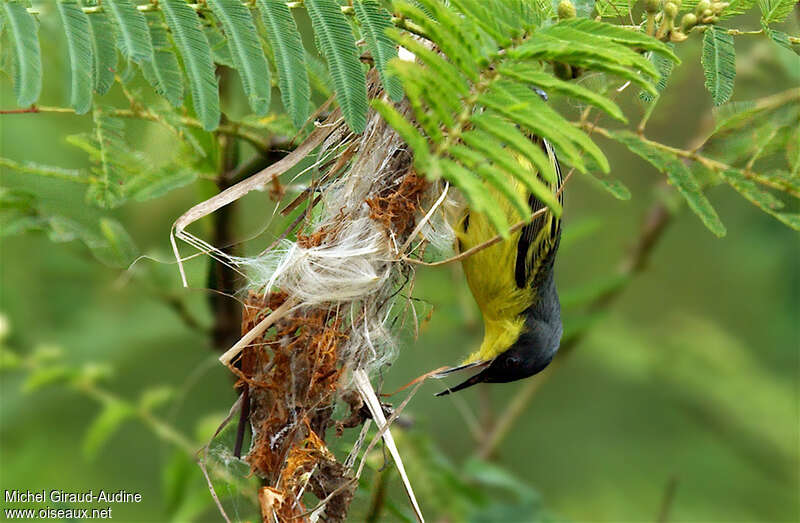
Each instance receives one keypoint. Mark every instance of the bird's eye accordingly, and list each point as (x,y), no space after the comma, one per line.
(513,361)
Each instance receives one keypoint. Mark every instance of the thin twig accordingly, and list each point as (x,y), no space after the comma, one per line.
(469,252)
(179,307)
(737,32)
(512,412)
(668,500)
(233,128)
(378,496)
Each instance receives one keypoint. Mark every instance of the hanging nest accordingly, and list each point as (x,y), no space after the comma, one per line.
(320,310)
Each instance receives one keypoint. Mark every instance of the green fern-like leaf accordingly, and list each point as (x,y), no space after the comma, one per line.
(475,190)
(509,134)
(154,184)
(248,56)
(613,8)
(410,134)
(599,55)
(793,158)
(617,53)
(287,47)
(196,53)
(507,163)
(486,18)
(524,107)
(27,55)
(111,417)
(115,247)
(337,45)
(163,72)
(775,11)
(220,50)
(679,176)
(761,199)
(454,44)
(787,182)
(374,21)
(614,187)
(318,75)
(104,51)
(473,107)
(719,64)
(551,84)
(106,190)
(617,34)
(735,114)
(444,72)
(782,39)
(737,7)
(664,66)
(474,159)
(133,37)
(81,59)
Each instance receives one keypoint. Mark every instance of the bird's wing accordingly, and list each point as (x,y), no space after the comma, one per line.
(540,238)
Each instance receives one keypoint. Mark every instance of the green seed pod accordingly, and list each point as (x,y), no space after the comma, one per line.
(718,7)
(708,13)
(702,5)
(677,36)
(688,21)
(653,6)
(671,10)
(566,10)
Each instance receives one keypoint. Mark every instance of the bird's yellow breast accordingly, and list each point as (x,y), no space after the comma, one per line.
(490,276)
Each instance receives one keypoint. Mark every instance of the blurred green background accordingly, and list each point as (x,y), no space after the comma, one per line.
(686,388)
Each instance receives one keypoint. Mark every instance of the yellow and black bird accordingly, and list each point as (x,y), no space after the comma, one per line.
(513,284)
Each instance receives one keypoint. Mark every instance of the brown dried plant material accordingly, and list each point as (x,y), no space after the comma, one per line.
(317,238)
(311,464)
(276,189)
(314,239)
(396,207)
(270,499)
(293,373)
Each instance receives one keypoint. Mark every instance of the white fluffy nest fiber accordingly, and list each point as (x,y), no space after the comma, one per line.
(358,267)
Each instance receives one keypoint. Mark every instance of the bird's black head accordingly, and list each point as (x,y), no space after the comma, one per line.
(531,353)
(528,356)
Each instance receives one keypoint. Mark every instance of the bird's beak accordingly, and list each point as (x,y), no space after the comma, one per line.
(477,378)
(451,370)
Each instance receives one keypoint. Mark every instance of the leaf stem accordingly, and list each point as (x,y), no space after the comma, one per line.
(717,166)
(231,128)
(739,32)
(71,175)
